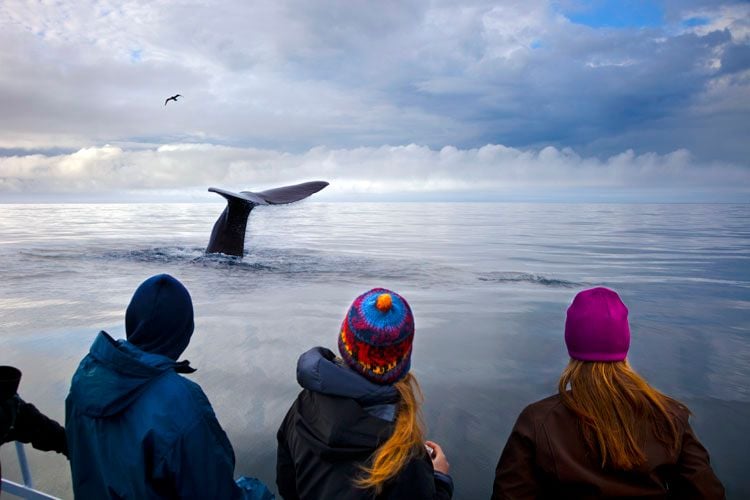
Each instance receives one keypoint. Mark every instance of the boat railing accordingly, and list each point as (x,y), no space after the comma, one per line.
(25,490)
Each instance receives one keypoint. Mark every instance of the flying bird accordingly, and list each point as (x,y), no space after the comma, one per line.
(173,98)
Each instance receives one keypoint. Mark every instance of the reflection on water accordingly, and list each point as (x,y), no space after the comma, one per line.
(488,283)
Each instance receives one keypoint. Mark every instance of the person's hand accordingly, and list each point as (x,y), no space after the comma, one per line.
(439,460)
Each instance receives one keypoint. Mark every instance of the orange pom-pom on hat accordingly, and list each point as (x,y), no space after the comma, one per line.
(384,302)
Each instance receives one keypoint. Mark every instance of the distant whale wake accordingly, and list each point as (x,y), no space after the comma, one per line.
(517,277)
(228,234)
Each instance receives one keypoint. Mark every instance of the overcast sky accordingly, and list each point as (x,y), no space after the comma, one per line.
(629,100)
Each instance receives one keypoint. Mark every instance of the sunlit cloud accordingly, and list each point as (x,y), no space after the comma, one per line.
(495,171)
(733,17)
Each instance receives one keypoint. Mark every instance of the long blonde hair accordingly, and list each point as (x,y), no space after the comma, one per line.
(406,442)
(617,408)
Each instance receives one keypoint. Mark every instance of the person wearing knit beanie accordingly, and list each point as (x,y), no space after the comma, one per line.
(355,431)
(596,326)
(607,433)
(376,336)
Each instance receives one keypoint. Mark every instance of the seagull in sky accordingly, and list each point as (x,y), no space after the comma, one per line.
(173,98)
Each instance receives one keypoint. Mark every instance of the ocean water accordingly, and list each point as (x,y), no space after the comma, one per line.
(488,284)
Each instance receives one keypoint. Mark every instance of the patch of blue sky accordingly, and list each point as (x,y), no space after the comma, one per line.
(616,13)
(536,44)
(135,55)
(695,21)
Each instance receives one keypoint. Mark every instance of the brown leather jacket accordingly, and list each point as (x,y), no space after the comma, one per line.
(546,457)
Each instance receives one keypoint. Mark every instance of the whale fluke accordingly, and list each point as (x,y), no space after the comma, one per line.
(228,235)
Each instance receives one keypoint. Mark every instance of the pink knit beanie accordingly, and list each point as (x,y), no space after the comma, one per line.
(596,327)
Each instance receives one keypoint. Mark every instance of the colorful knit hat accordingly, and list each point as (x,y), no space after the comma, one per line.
(596,327)
(376,336)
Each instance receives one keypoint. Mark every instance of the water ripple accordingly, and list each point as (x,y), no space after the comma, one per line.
(518,277)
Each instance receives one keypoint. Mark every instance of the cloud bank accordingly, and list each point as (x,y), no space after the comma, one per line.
(412,172)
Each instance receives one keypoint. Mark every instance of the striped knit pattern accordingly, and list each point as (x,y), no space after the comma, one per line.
(376,336)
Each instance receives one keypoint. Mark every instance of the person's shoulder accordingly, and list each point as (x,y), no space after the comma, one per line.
(534,415)
(540,409)
(179,395)
(680,412)
(312,405)
(677,406)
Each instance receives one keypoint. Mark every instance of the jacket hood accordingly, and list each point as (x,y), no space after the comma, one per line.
(159,318)
(113,375)
(339,428)
(342,415)
(318,370)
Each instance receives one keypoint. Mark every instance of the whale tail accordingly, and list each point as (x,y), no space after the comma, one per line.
(228,234)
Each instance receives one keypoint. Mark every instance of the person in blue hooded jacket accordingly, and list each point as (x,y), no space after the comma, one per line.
(136,428)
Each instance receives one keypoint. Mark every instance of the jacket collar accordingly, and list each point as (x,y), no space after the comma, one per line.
(114,374)
(320,371)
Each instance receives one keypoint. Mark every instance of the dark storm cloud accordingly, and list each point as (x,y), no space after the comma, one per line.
(736,58)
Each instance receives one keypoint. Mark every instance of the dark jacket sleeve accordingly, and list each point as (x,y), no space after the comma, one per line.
(695,477)
(443,485)
(286,475)
(418,481)
(31,426)
(515,476)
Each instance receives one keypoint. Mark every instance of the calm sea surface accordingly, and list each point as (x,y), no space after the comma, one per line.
(488,284)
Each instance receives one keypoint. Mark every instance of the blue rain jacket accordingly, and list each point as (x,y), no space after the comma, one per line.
(137,429)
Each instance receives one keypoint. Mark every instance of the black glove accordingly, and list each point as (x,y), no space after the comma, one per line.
(8,415)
